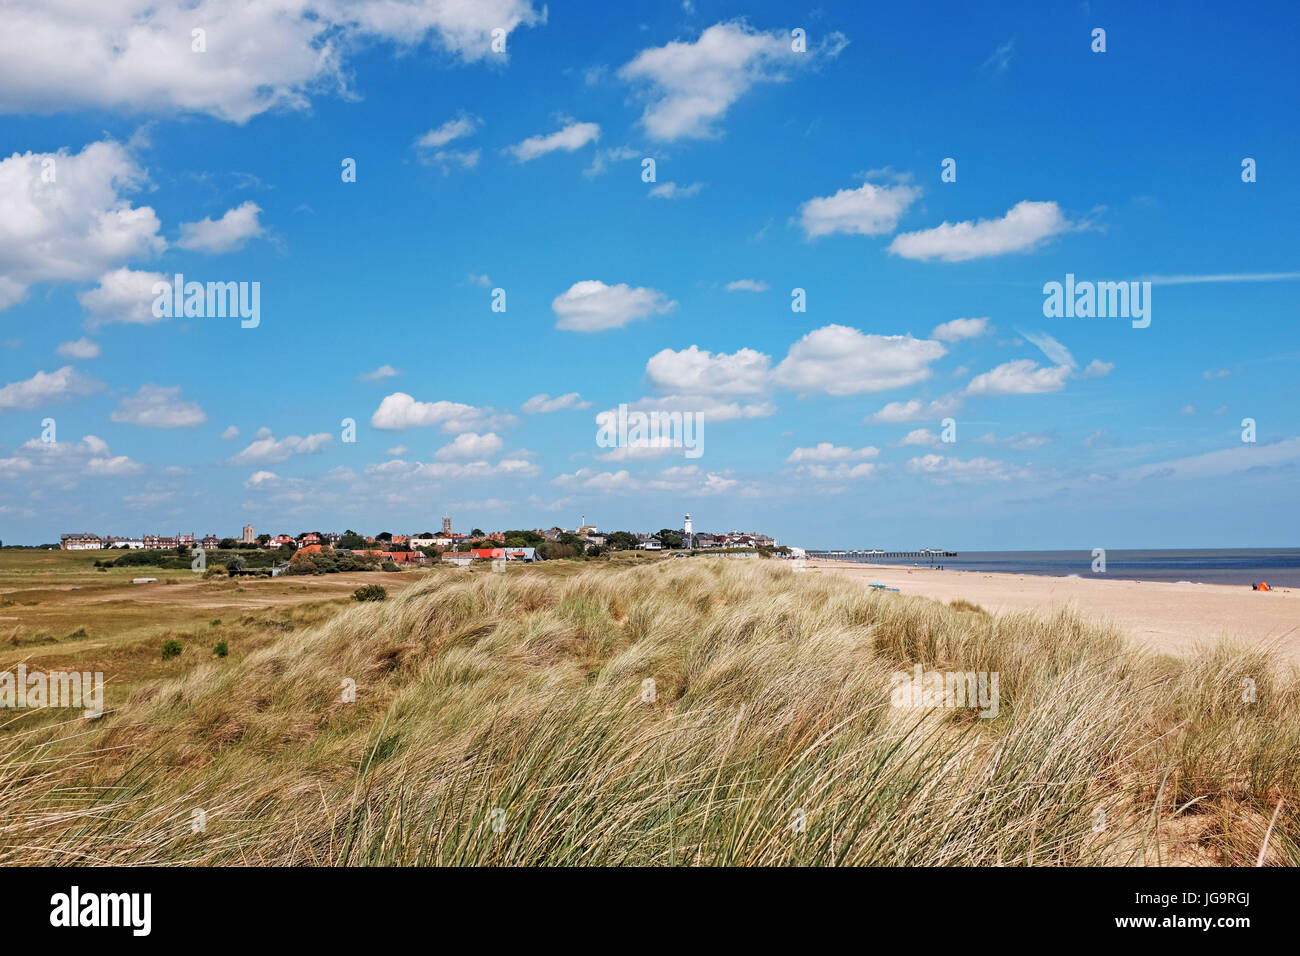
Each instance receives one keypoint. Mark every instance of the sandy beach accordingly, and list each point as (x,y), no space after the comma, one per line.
(1163,616)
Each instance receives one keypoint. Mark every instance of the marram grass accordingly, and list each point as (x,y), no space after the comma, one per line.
(504,719)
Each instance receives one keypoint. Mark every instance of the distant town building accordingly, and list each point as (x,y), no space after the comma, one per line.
(446,526)
(80,542)
(249,535)
(210,542)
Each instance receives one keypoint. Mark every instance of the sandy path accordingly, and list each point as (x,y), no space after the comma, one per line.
(1167,617)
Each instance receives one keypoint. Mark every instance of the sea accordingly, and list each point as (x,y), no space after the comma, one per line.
(1280,567)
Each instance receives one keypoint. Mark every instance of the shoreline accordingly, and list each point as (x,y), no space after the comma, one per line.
(1167,616)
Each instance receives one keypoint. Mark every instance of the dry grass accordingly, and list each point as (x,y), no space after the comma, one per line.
(499,719)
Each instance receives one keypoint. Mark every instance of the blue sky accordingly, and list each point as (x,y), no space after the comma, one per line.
(779,169)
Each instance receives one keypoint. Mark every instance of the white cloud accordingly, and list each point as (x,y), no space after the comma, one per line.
(123,295)
(920,436)
(747,285)
(603,157)
(1021,377)
(266,450)
(1021,441)
(571,137)
(840,360)
(593,306)
(61,463)
(671,190)
(866,211)
(81,348)
(838,471)
(230,433)
(1025,226)
(226,234)
(1227,461)
(690,86)
(945,469)
(158,406)
(464,124)
(470,445)
(261,479)
(1056,353)
(75,227)
(135,55)
(379,374)
(896,413)
(826,451)
(709,408)
(959,329)
(543,403)
(1098,369)
(44,387)
(1223,277)
(698,371)
(400,410)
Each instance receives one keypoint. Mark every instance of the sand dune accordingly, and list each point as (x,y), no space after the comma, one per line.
(1167,617)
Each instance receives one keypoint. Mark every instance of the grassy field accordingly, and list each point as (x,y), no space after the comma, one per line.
(507,719)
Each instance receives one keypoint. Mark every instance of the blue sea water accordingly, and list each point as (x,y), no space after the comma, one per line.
(1280,567)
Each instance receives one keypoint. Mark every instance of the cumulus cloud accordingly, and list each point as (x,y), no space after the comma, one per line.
(840,360)
(920,436)
(226,234)
(1024,227)
(231,432)
(400,410)
(123,295)
(62,463)
(916,409)
(747,285)
(1098,369)
(1021,377)
(959,329)
(66,218)
(379,374)
(945,469)
(593,306)
(47,387)
(866,211)
(136,55)
(470,445)
(671,190)
(158,406)
(689,86)
(827,451)
(543,403)
(81,348)
(571,137)
(265,449)
(700,372)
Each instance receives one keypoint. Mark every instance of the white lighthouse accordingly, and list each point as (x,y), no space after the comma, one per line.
(686,532)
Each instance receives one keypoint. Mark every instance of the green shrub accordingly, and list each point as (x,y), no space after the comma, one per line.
(370,592)
(171,649)
(221,650)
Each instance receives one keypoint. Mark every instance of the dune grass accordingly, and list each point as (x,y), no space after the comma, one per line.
(510,719)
